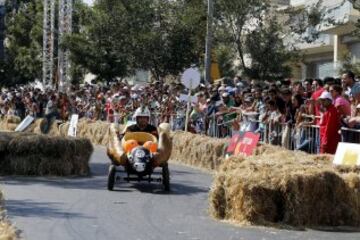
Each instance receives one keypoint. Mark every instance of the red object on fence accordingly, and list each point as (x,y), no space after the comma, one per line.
(247,144)
(232,144)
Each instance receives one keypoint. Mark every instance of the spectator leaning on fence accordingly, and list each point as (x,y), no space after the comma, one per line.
(354,121)
(341,104)
(329,124)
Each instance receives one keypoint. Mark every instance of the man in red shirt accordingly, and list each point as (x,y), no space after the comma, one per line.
(329,124)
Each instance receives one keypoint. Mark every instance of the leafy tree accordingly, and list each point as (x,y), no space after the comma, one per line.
(225,57)
(122,36)
(269,55)
(23,42)
(235,18)
(264,35)
(101,45)
(175,39)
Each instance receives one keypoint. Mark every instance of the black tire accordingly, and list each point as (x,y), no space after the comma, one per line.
(166,177)
(111,177)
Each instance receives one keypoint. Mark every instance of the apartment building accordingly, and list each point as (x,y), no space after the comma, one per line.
(325,56)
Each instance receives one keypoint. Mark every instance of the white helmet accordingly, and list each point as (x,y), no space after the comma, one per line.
(142,112)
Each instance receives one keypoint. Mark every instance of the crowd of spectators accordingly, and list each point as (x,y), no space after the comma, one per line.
(221,108)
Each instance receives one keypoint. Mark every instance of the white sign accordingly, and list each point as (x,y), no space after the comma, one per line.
(73,125)
(191,78)
(185,98)
(24,124)
(347,154)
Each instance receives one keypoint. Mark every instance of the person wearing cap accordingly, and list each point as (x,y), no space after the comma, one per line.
(329,124)
(227,99)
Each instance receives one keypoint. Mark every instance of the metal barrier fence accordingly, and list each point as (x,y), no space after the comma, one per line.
(350,135)
(305,137)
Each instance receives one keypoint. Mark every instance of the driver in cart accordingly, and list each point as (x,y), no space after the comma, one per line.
(142,117)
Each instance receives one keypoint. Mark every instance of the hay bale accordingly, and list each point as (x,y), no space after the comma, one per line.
(13,119)
(36,127)
(9,123)
(285,187)
(197,150)
(41,155)
(54,129)
(97,132)
(63,129)
(7,230)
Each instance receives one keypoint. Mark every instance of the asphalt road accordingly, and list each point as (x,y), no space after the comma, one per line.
(82,208)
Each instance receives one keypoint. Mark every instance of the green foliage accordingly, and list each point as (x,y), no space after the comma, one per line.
(253,31)
(225,58)
(270,57)
(235,18)
(122,36)
(175,38)
(100,46)
(24,43)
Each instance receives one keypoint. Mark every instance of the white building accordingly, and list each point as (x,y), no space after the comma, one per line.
(324,56)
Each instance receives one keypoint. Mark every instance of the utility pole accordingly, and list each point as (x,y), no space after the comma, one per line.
(209,36)
(65,27)
(48,42)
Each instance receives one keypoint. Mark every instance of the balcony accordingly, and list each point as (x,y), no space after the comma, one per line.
(324,43)
(339,19)
(339,15)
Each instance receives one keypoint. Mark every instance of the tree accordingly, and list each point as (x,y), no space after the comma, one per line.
(175,39)
(235,19)
(264,36)
(254,32)
(225,57)
(23,42)
(163,37)
(102,44)
(269,55)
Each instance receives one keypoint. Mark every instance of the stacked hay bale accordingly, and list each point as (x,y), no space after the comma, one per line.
(9,123)
(197,150)
(278,186)
(98,132)
(39,155)
(7,230)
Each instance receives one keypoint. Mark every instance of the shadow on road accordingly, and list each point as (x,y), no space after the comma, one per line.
(340,229)
(176,189)
(98,181)
(29,208)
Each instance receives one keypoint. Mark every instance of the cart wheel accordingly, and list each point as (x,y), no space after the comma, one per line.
(166,177)
(111,177)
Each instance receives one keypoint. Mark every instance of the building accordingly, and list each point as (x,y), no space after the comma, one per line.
(324,56)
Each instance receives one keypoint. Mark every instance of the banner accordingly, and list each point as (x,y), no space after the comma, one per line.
(232,144)
(247,144)
(242,144)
